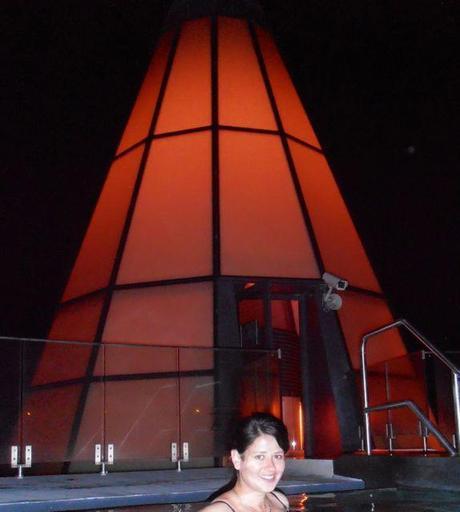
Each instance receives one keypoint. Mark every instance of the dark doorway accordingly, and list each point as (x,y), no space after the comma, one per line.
(274,321)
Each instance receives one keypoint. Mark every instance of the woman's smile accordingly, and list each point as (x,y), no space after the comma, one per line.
(261,465)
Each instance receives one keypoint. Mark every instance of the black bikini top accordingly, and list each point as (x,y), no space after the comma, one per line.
(233,510)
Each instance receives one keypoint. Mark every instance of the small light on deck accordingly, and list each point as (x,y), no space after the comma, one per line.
(304,499)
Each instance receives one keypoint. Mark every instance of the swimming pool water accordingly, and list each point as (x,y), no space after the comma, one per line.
(380,500)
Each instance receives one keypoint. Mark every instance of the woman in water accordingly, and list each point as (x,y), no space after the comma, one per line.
(258,449)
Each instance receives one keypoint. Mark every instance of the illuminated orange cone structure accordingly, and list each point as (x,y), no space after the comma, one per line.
(217,219)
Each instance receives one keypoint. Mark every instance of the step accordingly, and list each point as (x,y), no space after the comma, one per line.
(418,472)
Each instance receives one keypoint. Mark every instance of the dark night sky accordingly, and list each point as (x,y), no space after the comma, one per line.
(379,79)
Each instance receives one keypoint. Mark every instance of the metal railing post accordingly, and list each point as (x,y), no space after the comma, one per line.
(367,424)
(456,396)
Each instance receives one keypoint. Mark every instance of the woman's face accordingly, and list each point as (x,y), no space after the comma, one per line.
(261,465)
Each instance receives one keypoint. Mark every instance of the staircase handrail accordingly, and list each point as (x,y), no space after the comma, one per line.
(417,411)
(435,351)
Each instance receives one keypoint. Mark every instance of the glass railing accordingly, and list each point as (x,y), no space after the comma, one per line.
(411,379)
(440,394)
(426,381)
(78,405)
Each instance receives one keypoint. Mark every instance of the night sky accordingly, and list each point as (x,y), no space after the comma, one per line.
(380,81)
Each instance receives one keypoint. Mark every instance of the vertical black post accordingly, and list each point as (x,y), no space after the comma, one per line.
(267,298)
(219,358)
(305,375)
(341,377)
(215,148)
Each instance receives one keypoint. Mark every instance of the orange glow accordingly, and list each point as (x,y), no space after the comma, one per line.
(400,378)
(262,229)
(141,419)
(62,362)
(142,113)
(326,428)
(197,394)
(173,213)
(300,421)
(163,315)
(95,260)
(303,501)
(195,359)
(121,360)
(48,426)
(250,310)
(361,314)
(187,101)
(340,246)
(291,405)
(405,382)
(243,98)
(295,313)
(293,116)
(77,321)
(91,425)
(283,315)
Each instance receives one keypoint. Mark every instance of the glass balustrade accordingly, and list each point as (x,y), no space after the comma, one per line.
(141,405)
(79,405)
(440,394)
(215,387)
(10,400)
(407,381)
(424,380)
(378,394)
(62,404)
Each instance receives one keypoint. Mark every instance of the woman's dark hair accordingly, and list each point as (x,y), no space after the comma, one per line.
(251,427)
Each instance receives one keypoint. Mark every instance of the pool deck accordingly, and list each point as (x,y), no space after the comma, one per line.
(435,472)
(91,491)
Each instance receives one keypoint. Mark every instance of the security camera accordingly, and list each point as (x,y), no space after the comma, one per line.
(335,282)
(333,301)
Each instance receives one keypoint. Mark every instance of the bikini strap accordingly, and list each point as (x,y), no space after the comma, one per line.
(278,498)
(222,501)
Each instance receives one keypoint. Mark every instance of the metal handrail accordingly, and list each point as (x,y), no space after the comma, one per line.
(110,344)
(417,411)
(439,355)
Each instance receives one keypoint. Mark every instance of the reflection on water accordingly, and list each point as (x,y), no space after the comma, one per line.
(381,500)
